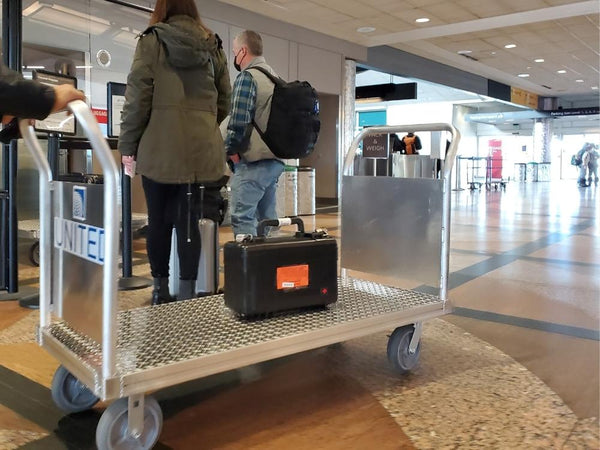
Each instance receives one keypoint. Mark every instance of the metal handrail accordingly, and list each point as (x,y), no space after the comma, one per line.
(446,190)
(111,228)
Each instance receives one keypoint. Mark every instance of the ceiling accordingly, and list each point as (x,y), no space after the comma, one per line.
(470,35)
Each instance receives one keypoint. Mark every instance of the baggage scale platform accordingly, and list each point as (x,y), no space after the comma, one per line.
(205,337)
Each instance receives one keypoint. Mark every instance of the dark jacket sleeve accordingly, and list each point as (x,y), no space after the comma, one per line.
(138,95)
(26,99)
(223,86)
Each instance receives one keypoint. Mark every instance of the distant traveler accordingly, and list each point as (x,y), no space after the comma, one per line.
(28,99)
(256,168)
(395,143)
(177,93)
(411,144)
(583,157)
(593,165)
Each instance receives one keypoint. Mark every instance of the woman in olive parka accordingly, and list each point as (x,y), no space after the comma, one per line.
(178,92)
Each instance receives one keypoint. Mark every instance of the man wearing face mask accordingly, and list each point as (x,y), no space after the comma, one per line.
(256,168)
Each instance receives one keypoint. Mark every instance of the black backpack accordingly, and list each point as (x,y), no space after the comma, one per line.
(293,125)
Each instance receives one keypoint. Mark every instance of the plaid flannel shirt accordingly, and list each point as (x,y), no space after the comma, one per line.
(243,107)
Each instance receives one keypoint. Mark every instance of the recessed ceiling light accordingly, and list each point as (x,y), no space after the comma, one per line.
(539,60)
(422,20)
(510,45)
(366,29)
(464,52)
(561,71)
(594,88)
(523,75)
(578,81)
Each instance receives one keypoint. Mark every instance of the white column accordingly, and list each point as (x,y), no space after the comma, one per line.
(542,138)
(348,114)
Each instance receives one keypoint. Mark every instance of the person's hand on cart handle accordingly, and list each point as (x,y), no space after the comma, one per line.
(235,158)
(64,94)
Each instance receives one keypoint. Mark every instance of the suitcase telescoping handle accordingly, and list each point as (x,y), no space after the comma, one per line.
(280,223)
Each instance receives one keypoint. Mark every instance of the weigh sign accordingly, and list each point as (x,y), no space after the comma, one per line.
(376,146)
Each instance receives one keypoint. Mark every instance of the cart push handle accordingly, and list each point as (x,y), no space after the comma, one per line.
(450,155)
(111,226)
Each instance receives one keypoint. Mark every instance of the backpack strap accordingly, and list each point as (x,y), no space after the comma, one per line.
(276,81)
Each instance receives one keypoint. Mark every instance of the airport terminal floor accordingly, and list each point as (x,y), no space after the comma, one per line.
(515,367)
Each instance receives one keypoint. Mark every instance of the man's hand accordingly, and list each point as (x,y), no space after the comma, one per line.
(235,158)
(65,93)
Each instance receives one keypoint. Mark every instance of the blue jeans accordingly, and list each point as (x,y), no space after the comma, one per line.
(253,194)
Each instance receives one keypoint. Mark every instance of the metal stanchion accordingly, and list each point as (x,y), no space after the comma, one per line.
(458,175)
(128,281)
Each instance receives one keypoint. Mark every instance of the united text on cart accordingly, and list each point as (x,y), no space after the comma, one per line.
(85,241)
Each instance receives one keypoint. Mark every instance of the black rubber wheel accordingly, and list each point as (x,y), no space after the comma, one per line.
(70,394)
(397,350)
(34,254)
(111,433)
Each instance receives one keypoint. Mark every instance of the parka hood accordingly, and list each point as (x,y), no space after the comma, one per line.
(186,43)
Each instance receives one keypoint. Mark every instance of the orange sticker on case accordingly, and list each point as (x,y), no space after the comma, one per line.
(292,277)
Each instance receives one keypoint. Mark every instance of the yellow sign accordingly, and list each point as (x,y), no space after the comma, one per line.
(523,97)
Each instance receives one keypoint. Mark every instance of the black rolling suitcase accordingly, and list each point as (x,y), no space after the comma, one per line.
(265,275)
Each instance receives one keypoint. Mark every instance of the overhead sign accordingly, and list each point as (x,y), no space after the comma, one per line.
(523,97)
(592,110)
(376,146)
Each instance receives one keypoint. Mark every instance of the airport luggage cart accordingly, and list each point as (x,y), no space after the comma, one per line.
(111,355)
(493,174)
(476,171)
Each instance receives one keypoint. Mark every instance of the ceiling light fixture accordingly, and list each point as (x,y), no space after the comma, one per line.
(539,60)
(523,75)
(510,45)
(561,71)
(422,20)
(84,67)
(464,52)
(578,81)
(34,67)
(594,88)
(366,29)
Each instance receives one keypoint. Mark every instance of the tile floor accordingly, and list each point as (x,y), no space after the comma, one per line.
(516,365)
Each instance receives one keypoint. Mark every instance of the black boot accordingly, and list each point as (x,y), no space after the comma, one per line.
(187,289)
(160,293)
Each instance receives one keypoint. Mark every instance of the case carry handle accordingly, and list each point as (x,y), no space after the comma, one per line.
(260,230)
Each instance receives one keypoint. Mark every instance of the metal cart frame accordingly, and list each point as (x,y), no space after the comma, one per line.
(153,347)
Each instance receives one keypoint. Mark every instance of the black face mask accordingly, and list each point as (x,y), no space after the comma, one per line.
(235,63)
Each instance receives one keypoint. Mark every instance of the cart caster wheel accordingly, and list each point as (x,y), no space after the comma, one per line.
(34,254)
(70,394)
(111,433)
(397,350)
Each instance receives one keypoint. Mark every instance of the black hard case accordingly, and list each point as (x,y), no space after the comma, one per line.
(252,268)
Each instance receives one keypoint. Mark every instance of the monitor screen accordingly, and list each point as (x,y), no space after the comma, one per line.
(115,102)
(59,122)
